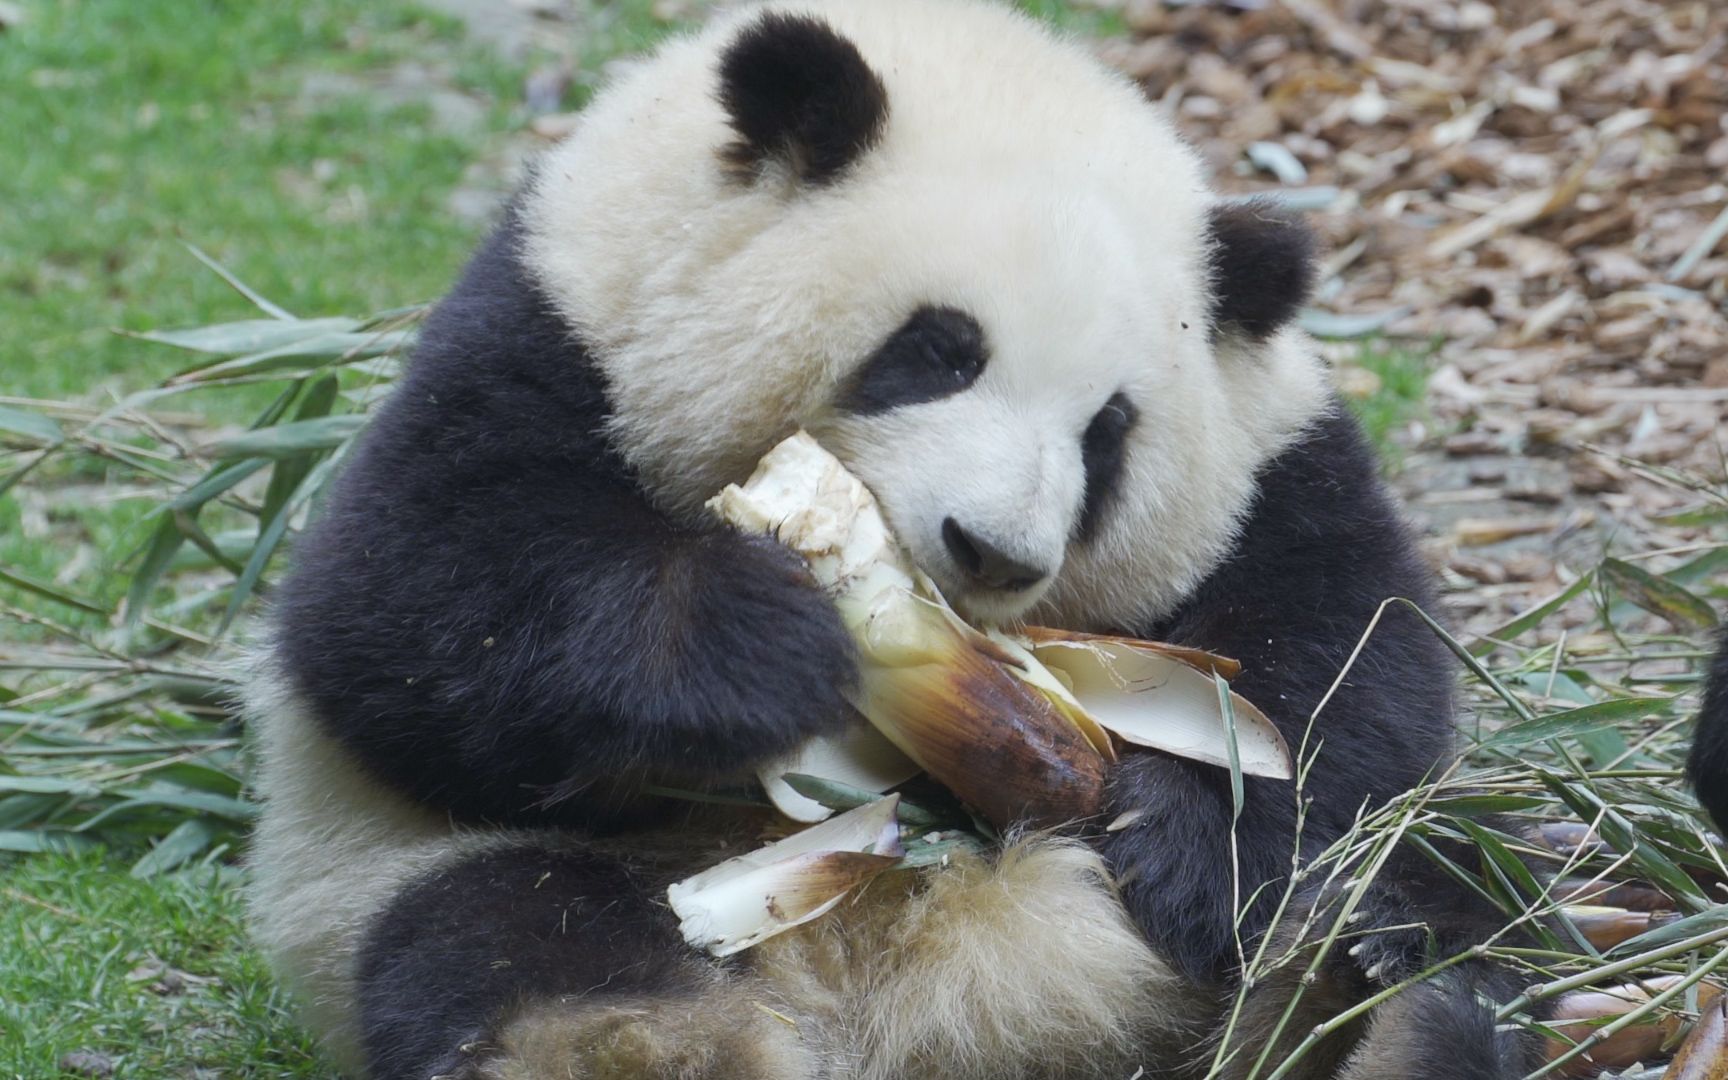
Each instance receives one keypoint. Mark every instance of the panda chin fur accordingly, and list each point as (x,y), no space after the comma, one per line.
(512,621)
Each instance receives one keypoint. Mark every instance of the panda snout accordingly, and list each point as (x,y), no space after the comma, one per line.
(985,565)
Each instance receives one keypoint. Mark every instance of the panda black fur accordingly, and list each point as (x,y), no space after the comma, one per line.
(990,277)
(1707,767)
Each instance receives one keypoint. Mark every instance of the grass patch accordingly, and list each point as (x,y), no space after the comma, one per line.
(154,976)
(269,134)
(1400,396)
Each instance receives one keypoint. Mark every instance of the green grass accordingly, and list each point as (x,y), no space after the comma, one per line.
(1401,396)
(132,125)
(152,975)
(225,124)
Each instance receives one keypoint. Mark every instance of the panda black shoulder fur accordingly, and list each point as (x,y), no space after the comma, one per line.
(989,276)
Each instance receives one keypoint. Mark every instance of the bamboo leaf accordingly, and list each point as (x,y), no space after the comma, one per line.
(1622,835)
(219,479)
(197,802)
(1659,596)
(48,785)
(270,535)
(34,428)
(1509,630)
(50,592)
(290,439)
(164,542)
(1483,805)
(236,284)
(1574,722)
(326,348)
(33,841)
(185,841)
(246,335)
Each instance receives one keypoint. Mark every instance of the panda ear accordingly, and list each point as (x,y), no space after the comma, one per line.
(799,94)
(1262,267)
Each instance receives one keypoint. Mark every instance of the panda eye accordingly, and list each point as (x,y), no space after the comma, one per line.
(1102,451)
(937,352)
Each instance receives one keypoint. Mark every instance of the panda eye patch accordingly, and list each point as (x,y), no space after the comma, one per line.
(937,352)
(1102,451)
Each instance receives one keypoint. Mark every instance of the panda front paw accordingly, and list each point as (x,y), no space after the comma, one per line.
(1385,940)
(763,659)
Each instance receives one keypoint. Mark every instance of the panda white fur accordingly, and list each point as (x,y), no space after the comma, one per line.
(990,276)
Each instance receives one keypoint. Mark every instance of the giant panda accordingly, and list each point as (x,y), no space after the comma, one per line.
(989,276)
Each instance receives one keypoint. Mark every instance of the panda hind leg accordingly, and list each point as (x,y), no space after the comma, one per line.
(550,961)
(1440,1029)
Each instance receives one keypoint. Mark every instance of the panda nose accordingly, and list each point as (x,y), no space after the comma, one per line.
(985,564)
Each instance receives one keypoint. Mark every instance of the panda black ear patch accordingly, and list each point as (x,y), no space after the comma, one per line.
(1262,267)
(799,93)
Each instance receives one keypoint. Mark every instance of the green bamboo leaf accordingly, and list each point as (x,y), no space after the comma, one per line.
(191,530)
(1695,570)
(323,348)
(920,852)
(1484,805)
(1227,708)
(287,440)
(1659,596)
(158,552)
(233,546)
(1510,873)
(246,335)
(268,307)
(48,785)
(1510,630)
(185,841)
(218,480)
(286,474)
(50,591)
(270,535)
(1574,722)
(198,776)
(34,428)
(1713,514)
(30,840)
(1646,859)
(197,802)
(20,810)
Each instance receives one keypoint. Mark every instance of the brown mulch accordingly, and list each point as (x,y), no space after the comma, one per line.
(1534,186)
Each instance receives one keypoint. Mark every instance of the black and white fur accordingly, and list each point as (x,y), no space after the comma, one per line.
(989,276)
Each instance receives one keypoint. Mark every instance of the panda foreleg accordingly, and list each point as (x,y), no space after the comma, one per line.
(548,959)
(492,616)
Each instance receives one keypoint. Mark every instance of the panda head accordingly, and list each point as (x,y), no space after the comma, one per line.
(980,268)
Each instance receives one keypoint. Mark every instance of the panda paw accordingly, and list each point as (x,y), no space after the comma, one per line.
(762,661)
(1384,940)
